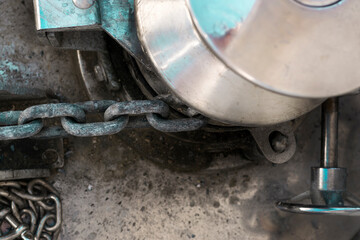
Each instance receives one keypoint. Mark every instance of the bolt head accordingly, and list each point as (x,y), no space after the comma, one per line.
(278,141)
(83,4)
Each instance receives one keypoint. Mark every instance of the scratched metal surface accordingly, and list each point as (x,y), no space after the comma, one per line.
(109,192)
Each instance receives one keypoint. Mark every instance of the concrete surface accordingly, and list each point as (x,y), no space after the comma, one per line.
(110,192)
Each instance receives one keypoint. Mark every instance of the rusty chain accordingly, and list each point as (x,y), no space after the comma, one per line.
(29,123)
(33,210)
(29,210)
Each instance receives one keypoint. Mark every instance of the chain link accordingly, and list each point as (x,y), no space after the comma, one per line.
(117,116)
(29,210)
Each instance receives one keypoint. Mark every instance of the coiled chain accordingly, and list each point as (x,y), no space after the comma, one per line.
(29,210)
(117,116)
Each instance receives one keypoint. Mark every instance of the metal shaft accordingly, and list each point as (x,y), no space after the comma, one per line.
(329,133)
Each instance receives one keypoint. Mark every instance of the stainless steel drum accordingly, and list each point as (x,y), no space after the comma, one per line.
(254,62)
(305,48)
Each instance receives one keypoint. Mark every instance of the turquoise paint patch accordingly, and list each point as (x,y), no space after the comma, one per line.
(7,68)
(217,17)
(10,66)
(12,70)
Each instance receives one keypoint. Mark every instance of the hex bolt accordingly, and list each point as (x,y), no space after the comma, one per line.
(100,73)
(83,4)
(278,141)
(104,72)
(50,156)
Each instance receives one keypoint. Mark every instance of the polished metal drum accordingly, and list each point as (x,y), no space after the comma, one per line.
(254,62)
(304,48)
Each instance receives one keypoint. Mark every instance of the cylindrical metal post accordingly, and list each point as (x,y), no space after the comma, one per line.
(329,133)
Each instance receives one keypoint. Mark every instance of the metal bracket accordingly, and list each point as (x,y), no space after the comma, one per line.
(277,143)
(115,17)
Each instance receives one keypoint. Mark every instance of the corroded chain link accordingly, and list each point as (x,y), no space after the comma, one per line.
(117,116)
(29,210)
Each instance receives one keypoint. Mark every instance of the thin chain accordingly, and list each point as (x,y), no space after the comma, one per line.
(29,210)
(117,116)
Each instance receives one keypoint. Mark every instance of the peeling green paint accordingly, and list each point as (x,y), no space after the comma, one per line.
(10,69)
(10,65)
